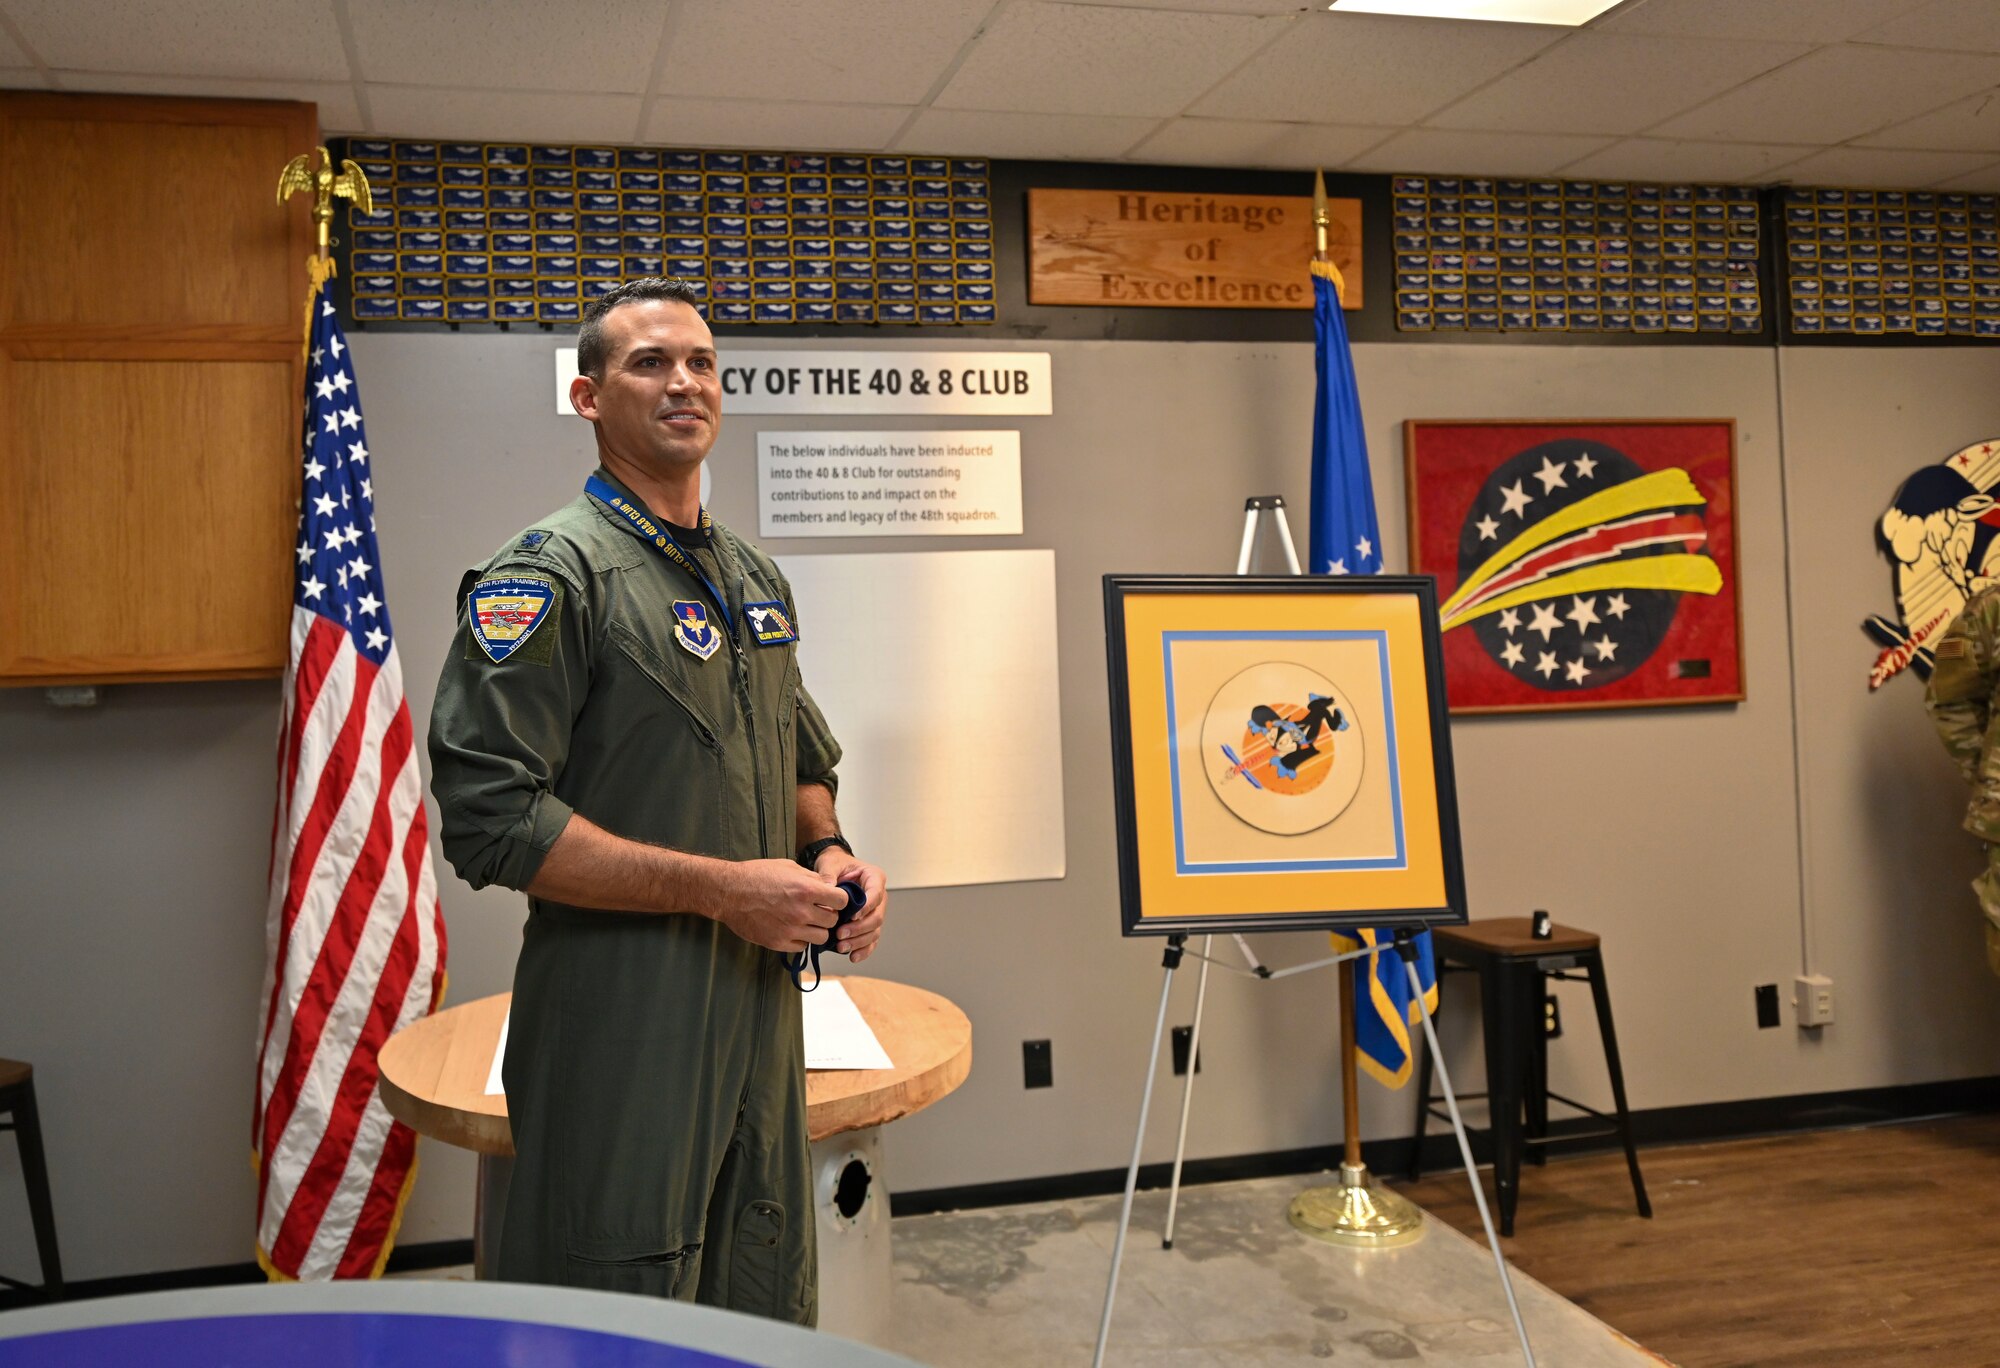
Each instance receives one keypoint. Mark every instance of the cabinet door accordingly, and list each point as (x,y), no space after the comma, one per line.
(151,291)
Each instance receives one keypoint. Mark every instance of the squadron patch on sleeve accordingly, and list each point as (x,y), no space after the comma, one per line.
(504,612)
(770,623)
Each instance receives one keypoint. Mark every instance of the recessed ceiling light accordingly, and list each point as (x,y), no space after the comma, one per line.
(1569,12)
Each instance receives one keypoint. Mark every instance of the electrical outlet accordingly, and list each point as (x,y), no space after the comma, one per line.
(1037,1070)
(1183,1037)
(1814,999)
(1552,1017)
(1767,1006)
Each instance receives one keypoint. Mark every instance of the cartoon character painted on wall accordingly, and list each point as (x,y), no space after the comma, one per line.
(1941,534)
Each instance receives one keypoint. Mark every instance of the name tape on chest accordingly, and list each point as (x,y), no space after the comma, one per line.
(503,613)
(770,623)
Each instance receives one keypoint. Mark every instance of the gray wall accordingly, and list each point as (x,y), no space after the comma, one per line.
(135,847)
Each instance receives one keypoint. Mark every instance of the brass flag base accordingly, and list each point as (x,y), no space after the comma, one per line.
(1357,1212)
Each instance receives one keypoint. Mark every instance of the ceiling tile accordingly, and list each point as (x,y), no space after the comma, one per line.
(1883,168)
(510,115)
(1051,137)
(1971,125)
(244,38)
(1364,68)
(1986,178)
(22,78)
(337,111)
(1491,154)
(1084,59)
(1953,25)
(864,51)
(1835,94)
(506,44)
(767,123)
(1663,159)
(1229,142)
(1607,83)
(1803,21)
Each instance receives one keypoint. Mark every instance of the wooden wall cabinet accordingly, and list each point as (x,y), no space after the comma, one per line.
(151,305)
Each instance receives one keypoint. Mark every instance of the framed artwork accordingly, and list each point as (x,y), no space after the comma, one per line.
(1281,754)
(1587,564)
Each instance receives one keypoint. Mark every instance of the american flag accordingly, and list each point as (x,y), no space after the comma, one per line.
(355,937)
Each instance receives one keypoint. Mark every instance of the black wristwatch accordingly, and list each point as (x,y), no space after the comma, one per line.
(809,857)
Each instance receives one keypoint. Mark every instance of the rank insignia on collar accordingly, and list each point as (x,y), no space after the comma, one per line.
(502,613)
(770,623)
(693,630)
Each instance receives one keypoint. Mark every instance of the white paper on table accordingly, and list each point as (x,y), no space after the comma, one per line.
(494,1087)
(837,1035)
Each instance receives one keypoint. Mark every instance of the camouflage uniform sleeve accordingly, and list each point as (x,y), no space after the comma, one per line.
(1960,692)
(500,732)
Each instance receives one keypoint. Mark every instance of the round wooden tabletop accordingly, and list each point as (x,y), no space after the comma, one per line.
(434,1071)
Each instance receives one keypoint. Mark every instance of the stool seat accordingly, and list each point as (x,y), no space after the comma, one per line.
(1513,969)
(1513,937)
(13,1071)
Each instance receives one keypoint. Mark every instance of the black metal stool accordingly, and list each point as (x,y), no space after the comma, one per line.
(17,1106)
(1512,967)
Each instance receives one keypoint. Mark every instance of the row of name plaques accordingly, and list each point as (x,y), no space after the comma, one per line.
(1872,262)
(503,232)
(1574,256)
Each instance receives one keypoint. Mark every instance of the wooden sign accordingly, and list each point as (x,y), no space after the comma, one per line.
(1172,250)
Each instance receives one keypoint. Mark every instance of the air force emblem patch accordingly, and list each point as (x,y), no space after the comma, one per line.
(693,630)
(503,613)
(770,623)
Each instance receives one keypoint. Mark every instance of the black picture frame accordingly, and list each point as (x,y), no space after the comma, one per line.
(1404,611)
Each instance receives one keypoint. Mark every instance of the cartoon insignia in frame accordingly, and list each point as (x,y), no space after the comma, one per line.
(1941,534)
(1287,745)
(1281,748)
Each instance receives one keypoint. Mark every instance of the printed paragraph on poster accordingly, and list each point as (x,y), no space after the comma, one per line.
(889,484)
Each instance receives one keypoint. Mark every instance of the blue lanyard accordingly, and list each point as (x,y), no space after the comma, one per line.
(663,541)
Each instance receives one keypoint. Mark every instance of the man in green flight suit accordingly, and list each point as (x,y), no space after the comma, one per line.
(1961,698)
(621,731)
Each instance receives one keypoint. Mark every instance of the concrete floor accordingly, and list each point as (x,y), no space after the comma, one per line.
(1025,1285)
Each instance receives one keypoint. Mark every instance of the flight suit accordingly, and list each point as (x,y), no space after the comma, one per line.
(655,1070)
(1961,700)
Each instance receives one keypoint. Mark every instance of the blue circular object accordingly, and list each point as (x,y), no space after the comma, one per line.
(346,1341)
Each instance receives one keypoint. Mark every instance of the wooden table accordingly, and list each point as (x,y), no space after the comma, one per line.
(434,1071)
(433,1079)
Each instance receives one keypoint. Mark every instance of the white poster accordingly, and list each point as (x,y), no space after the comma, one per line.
(937,672)
(851,382)
(889,484)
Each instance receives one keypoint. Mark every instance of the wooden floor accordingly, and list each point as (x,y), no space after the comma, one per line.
(1870,1246)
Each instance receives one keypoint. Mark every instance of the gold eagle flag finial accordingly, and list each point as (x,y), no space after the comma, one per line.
(324,185)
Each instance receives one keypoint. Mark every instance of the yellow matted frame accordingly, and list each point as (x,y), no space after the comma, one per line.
(1380,632)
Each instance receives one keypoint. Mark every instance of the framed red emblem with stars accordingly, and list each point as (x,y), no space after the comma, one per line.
(1579,564)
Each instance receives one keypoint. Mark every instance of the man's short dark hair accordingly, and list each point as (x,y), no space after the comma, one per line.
(590,341)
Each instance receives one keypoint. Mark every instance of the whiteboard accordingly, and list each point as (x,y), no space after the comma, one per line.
(937,671)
